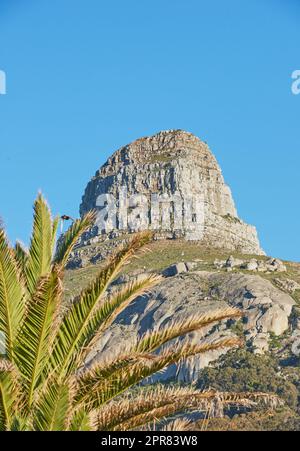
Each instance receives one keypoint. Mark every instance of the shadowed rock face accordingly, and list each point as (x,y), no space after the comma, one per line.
(179,166)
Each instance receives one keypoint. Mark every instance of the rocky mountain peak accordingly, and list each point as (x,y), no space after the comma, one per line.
(162,147)
(173,185)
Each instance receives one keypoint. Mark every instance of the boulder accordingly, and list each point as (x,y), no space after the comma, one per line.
(252,265)
(218,264)
(232,262)
(190,265)
(260,343)
(273,320)
(287,284)
(173,270)
(274,264)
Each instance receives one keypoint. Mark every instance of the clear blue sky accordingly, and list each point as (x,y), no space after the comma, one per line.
(87,76)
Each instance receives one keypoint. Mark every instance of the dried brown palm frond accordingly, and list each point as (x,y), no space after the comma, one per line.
(157,337)
(154,404)
(128,357)
(177,425)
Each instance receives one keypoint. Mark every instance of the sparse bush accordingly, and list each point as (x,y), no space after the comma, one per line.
(242,370)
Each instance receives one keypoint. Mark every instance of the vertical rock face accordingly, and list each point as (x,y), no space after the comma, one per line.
(170,183)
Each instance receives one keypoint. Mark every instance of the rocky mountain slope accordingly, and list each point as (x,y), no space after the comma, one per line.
(199,279)
(225,266)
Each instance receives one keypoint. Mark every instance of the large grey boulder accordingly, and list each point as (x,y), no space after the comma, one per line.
(232,262)
(173,270)
(266,308)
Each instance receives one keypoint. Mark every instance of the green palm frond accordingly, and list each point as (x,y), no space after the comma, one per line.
(114,305)
(36,337)
(12,302)
(22,422)
(71,237)
(80,321)
(82,421)
(40,250)
(53,407)
(10,391)
(55,225)
(21,255)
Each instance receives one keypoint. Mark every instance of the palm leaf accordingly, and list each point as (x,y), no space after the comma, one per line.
(21,255)
(80,321)
(114,305)
(11,296)
(22,422)
(9,394)
(150,404)
(180,424)
(81,421)
(155,404)
(53,407)
(156,338)
(104,382)
(71,237)
(55,225)
(40,250)
(35,340)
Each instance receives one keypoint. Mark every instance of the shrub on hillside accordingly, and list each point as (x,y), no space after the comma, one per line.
(242,370)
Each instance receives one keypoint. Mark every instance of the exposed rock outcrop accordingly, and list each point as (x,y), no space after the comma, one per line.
(267,266)
(178,190)
(266,310)
(287,284)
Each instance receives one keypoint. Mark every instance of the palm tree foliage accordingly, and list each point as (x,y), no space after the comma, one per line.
(44,382)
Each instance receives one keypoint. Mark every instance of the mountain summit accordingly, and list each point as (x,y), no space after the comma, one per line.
(170,183)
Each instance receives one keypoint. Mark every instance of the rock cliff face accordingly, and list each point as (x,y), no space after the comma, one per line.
(171,183)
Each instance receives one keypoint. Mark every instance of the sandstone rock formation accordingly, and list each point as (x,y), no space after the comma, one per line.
(179,172)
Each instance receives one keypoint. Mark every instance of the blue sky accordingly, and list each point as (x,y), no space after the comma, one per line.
(87,76)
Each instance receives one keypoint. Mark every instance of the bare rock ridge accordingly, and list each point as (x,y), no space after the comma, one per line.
(175,166)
